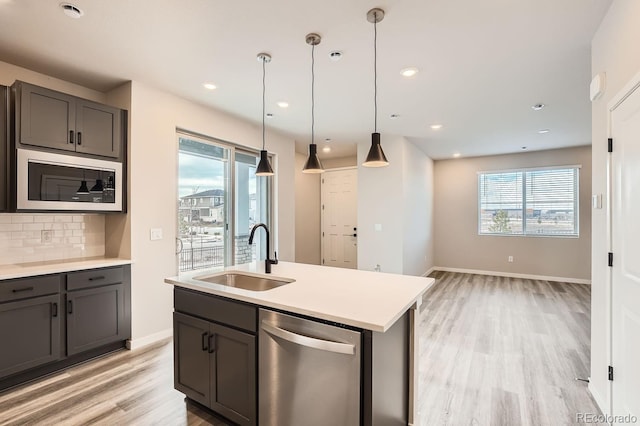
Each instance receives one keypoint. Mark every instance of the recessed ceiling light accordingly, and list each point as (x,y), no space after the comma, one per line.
(394,116)
(537,107)
(269,115)
(456,155)
(543,131)
(409,72)
(436,126)
(283,104)
(335,55)
(71,10)
(210,86)
(326,149)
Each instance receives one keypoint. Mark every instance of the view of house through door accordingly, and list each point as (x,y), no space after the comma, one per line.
(219,200)
(625,243)
(339,216)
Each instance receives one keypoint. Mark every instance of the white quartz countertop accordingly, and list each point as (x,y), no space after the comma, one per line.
(22,270)
(363,299)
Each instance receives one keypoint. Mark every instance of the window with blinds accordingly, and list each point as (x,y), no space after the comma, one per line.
(541,202)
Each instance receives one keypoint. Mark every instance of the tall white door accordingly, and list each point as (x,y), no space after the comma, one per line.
(339,218)
(625,215)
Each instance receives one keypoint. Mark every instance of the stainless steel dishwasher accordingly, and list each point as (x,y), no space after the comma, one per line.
(309,372)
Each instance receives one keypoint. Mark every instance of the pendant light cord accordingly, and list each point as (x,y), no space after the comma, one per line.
(313,102)
(264,63)
(375,71)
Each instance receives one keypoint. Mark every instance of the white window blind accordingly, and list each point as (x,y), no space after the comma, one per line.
(540,202)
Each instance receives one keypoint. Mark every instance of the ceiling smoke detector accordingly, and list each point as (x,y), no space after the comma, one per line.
(71,10)
(335,55)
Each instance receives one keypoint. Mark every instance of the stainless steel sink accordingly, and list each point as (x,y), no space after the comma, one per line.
(243,281)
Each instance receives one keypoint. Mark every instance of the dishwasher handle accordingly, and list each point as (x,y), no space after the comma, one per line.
(311,342)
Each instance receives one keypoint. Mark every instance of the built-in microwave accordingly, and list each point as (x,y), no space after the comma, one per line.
(48,181)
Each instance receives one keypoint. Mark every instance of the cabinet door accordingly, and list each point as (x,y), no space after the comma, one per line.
(30,333)
(191,357)
(98,128)
(95,317)
(233,374)
(47,118)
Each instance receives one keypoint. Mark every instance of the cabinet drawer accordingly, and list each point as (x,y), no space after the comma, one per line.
(215,308)
(24,288)
(94,278)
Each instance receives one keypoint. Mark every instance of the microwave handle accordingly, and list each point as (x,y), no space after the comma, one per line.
(70,136)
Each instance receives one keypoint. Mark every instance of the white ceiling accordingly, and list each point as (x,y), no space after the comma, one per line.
(482,63)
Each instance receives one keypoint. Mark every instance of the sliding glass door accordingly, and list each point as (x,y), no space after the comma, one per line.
(219,200)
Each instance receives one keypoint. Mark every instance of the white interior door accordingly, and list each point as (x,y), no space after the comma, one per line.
(339,218)
(625,215)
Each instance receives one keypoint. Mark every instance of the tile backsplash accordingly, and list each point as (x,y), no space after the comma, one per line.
(71,236)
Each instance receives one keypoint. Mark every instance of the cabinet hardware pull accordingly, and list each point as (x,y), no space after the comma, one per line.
(54,307)
(20,290)
(70,306)
(70,136)
(79,138)
(101,277)
(204,341)
(212,343)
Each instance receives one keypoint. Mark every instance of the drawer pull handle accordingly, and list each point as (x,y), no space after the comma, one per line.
(20,290)
(97,278)
(212,343)
(204,341)
(70,306)
(54,307)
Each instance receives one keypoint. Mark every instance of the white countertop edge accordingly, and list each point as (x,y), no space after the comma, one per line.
(8,272)
(247,296)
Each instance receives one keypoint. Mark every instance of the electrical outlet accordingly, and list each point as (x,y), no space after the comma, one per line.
(46,236)
(510,259)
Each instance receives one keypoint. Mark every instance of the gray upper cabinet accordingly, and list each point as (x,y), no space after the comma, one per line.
(50,119)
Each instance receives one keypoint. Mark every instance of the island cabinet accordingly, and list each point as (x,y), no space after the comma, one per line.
(50,322)
(50,119)
(215,354)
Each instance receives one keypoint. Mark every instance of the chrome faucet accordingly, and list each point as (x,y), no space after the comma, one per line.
(267,262)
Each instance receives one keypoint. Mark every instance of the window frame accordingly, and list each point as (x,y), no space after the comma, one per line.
(524,171)
(230,195)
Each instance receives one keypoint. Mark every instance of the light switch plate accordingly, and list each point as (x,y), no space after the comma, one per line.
(377,227)
(596,201)
(156,234)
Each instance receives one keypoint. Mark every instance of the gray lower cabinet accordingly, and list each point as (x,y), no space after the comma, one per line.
(30,333)
(95,317)
(215,364)
(51,119)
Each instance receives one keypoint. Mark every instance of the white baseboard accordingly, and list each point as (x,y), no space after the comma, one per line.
(429,271)
(599,400)
(512,275)
(134,344)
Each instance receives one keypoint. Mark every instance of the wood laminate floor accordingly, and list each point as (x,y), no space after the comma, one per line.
(493,351)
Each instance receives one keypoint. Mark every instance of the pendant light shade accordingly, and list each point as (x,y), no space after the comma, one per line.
(264,166)
(83,188)
(98,187)
(376,157)
(313,164)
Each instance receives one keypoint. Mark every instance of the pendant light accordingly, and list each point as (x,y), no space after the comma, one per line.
(264,167)
(83,188)
(376,157)
(313,164)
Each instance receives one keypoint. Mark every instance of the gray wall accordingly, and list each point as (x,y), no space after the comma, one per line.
(458,245)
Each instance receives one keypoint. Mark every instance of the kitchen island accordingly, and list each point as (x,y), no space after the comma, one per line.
(240,335)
